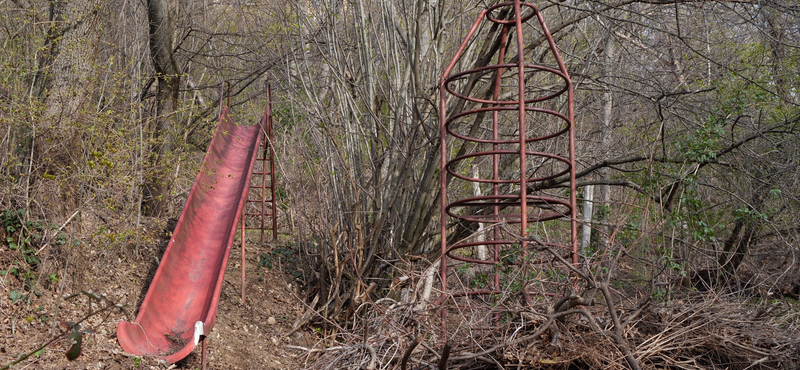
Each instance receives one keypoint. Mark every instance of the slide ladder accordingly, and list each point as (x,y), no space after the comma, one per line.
(261,207)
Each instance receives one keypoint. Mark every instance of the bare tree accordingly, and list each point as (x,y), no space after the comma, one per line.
(168,77)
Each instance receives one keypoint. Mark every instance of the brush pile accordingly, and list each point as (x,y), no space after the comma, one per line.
(697,332)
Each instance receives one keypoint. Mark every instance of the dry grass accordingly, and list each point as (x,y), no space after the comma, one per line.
(701,332)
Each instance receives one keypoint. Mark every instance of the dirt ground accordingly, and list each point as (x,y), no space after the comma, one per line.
(245,336)
(258,334)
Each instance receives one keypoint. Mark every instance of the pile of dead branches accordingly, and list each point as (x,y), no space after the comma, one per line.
(719,333)
(705,332)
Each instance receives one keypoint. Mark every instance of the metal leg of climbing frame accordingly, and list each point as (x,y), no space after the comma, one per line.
(203,354)
(243,248)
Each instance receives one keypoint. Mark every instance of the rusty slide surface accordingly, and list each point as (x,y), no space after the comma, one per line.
(181,303)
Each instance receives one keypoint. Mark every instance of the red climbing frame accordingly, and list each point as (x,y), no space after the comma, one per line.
(519,115)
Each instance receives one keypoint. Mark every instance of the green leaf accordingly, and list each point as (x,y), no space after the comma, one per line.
(14,296)
(76,337)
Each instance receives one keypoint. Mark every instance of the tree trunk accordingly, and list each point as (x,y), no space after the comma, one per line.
(604,191)
(64,81)
(737,245)
(65,70)
(777,44)
(157,185)
(586,230)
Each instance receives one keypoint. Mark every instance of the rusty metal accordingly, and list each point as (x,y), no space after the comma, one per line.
(518,116)
(180,307)
(203,351)
(263,183)
(242,234)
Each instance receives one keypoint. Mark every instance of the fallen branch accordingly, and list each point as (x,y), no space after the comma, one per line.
(445,356)
(407,354)
(72,329)
(617,334)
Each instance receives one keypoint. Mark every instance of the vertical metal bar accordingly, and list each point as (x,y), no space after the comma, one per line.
(496,157)
(203,354)
(573,197)
(523,166)
(243,251)
(443,196)
(270,135)
(263,205)
(265,142)
(573,190)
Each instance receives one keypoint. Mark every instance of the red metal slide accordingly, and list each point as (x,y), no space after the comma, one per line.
(181,303)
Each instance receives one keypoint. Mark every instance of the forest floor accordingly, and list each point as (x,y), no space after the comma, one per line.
(246,336)
(700,329)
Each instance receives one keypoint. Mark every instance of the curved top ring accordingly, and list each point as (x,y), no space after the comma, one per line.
(509,21)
